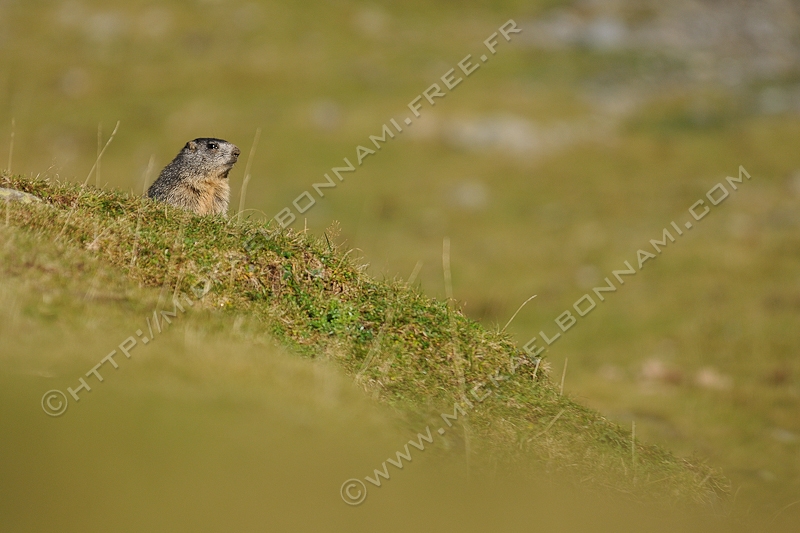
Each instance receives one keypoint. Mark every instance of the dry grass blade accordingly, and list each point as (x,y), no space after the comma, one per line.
(145,179)
(11,144)
(782,510)
(517,312)
(553,421)
(99,148)
(633,448)
(100,155)
(413,277)
(536,370)
(96,163)
(448,278)
(246,181)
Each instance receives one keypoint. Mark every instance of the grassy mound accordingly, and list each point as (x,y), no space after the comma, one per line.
(420,356)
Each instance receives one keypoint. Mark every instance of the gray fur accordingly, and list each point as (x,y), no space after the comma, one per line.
(197,179)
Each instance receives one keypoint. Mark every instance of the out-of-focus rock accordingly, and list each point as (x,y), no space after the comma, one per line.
(736,40)
(326,115)
(656,370)
(470,195)
(12,195)
(710,378)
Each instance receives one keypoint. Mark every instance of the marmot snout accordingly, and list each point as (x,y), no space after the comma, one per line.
(197,179)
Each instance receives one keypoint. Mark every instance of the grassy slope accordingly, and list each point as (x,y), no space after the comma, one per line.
(414,353)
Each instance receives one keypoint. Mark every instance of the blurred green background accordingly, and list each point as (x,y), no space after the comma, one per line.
(547,168)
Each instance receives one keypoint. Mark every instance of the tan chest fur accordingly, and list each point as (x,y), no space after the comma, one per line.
(212,196)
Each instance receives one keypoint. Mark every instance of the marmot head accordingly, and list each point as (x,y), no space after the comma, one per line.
(211,157)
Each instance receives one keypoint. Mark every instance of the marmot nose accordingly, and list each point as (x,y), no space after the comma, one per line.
(236,151)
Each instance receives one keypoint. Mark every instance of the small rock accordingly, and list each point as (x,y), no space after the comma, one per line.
(710,378)
(371,22)
(587,276)
(766,475)
(656,370)
(606,33)
(470,195)
(11,195)
(610,373)
(509,133)
(75,83)
(326,115)
(784,435)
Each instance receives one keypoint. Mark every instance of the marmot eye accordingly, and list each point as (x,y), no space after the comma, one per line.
(212,146)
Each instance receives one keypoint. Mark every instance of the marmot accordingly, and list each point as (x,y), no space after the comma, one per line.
(197,179)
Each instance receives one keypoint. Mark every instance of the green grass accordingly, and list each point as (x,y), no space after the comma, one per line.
(416,354)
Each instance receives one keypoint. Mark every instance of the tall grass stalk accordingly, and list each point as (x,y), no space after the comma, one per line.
(11,144)
(100,155)
(243,195)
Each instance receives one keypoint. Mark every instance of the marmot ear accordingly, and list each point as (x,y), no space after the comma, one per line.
(191,145)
